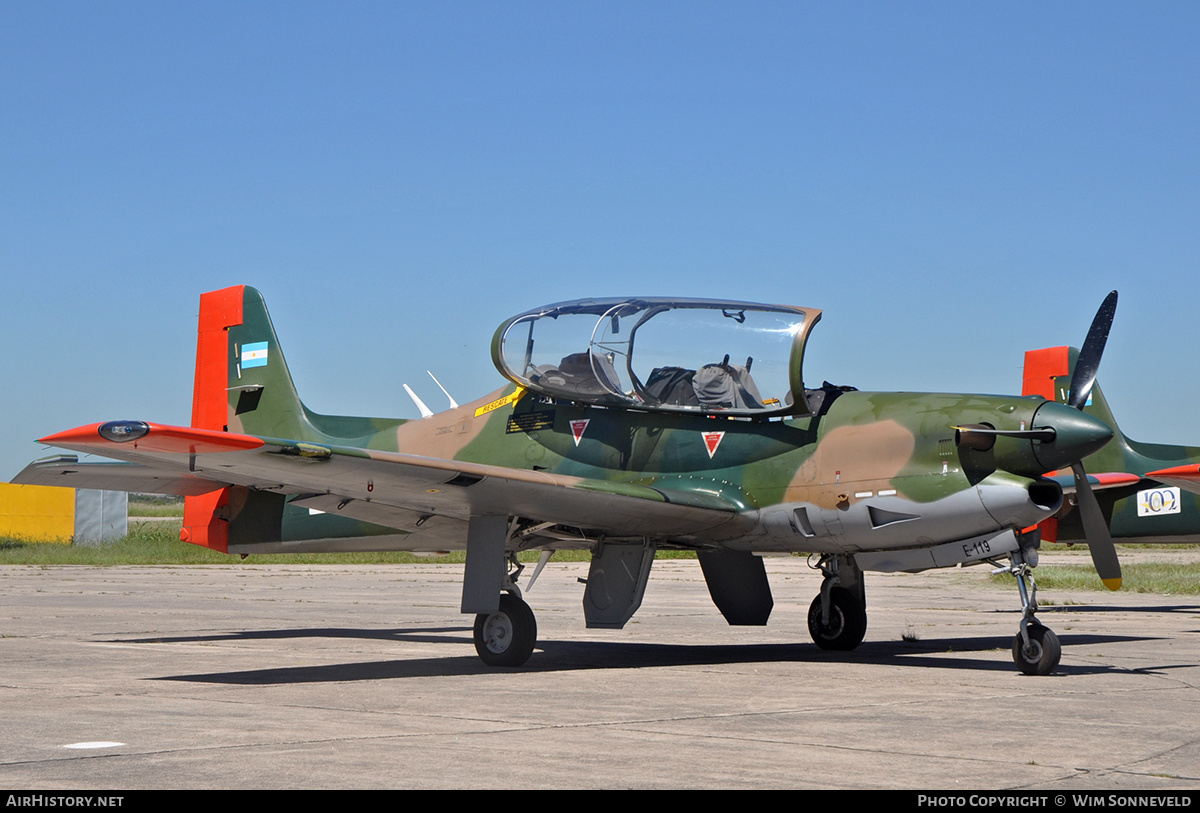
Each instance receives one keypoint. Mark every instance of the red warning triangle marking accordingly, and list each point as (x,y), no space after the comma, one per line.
(712,440)
(577,429)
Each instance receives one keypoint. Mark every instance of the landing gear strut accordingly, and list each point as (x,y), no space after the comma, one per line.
(1036,649)
(506,637)
(837,618)
(505,629)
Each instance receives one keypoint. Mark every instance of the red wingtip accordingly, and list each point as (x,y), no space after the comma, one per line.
(1189,472)
(72,437)
(156,438)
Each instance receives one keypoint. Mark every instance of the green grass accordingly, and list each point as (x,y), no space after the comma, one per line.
(136,511)
(1167,578)
(155,505)
(148,544)
(158,544)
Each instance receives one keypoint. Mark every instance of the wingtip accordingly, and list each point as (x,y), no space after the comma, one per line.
(1191,471)
(89,433)
(150,437)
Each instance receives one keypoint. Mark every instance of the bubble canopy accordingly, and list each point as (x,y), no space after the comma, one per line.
(672,355)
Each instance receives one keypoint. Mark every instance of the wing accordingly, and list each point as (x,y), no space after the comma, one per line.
(429,499)
(1099,482)
(1186,477)
(66,470)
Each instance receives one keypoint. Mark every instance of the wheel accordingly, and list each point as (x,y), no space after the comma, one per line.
(1043,653)
(847,621)
(506,637)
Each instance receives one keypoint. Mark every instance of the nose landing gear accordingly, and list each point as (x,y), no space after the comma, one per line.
(1036,649)
(1040,655)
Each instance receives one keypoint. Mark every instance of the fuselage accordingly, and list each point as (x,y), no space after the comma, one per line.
(870,471)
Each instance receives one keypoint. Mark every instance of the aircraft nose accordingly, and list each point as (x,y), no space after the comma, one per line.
(1076,435)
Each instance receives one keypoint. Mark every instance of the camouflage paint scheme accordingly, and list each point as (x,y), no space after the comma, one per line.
(878,481)
(899,444)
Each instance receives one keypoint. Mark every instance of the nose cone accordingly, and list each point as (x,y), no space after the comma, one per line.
(1076,435)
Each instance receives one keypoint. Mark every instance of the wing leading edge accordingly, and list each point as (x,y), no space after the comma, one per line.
(398,491)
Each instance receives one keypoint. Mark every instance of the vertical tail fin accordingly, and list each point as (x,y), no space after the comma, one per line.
(242,380)
(243,385)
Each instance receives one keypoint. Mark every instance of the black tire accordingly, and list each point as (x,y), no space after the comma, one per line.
(507,636)
(1042,655)
(847,621)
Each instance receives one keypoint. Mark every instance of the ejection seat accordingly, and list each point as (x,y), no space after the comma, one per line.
(726,386)
(586,374)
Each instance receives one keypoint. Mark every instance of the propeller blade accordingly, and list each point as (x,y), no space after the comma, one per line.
(1095,529)
(1093,348)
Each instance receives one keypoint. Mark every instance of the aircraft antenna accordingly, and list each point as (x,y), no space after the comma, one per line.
(425,411)
(453,403)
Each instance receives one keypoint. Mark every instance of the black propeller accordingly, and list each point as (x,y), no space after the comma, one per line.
(1088,361)
(1095,528)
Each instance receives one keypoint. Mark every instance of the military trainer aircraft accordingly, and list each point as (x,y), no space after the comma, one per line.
(627,425)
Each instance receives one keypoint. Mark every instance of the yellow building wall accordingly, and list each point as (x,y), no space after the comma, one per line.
(37,513)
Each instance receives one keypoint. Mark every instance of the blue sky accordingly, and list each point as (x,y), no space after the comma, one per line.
(954,183)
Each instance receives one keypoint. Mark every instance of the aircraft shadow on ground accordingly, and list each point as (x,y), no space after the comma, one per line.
(414,634)
(568,656)
(1110,608)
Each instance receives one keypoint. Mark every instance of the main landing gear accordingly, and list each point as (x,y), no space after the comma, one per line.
(837,618)
(1035,650)
(507,636)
